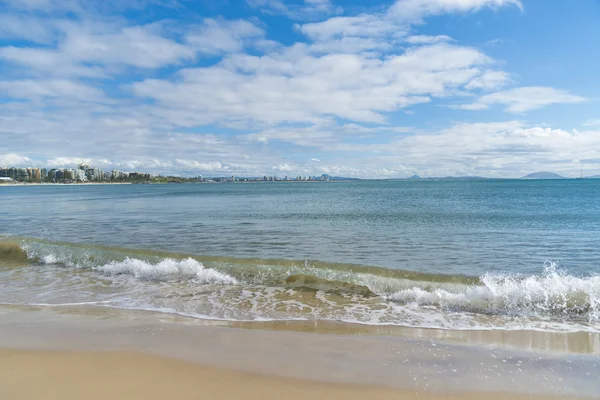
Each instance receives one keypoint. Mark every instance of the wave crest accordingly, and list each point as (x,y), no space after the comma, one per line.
(167,269)
(552,293)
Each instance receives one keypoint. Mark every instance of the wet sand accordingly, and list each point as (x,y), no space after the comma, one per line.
(128,375)
(78,354)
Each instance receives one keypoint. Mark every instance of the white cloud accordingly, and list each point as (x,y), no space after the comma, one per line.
(95,49)
(425,39)
(26,28)
(204,166)
(43,5)
(15,160)
(522,99)
(215,37)
(299,136)
(307,10)
(592,122)
(139,46)
(416,10)
(489,80)
(63,162)
(46,62)
(64,89)
(365,25)
(283,168)
(294,86)
(356,69)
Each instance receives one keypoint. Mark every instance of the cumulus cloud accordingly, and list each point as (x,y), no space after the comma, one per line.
(67,161)
(295,86)
(15,160)
(213,96)
(215,37)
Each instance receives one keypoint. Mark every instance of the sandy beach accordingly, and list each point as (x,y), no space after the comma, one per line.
(72,354)
(129,375)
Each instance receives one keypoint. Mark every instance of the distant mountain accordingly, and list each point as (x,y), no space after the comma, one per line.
(594,177)
(414,178)
(543,175)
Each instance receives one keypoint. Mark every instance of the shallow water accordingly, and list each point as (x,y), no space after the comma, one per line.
(449,254)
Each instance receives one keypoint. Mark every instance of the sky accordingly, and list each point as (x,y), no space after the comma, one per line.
(355,88)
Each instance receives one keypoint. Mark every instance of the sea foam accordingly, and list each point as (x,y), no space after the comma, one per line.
(552,293)
(167,269)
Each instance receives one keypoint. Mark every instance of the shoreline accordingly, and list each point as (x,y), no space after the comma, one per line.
(63,184)
(549,342)
(337,364)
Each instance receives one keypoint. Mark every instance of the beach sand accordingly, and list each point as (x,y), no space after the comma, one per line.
(57,353)
(128,375)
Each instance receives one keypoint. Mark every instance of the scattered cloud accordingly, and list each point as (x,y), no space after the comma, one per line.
(212,96)
(214,37)
(489,80)
(16,160)
(64,89)
(522,99)
(417,10)
(293,85)
(25,27)
(307,9)
(425,39)
(592,122)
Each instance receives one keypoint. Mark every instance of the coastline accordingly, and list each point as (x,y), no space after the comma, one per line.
(62,184)
(153,356)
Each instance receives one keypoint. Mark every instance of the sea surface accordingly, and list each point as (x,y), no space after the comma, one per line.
(464,255)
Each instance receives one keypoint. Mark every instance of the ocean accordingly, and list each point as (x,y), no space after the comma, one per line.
(448,254)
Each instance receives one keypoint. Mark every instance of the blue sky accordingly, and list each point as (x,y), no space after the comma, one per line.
(498,88)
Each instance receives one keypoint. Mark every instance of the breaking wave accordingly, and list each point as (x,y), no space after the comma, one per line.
(167,269)
(553,293)
(282,289)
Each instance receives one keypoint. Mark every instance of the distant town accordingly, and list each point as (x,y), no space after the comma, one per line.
(88,174)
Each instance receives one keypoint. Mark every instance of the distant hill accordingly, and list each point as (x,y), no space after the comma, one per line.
(594,177)
(543,175)
(414,178)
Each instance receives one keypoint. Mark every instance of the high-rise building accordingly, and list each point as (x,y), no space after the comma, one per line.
(80,175)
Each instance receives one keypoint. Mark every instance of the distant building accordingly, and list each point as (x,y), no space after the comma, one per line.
(80,175)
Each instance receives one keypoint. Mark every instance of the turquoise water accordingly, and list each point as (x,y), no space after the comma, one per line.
(499,254)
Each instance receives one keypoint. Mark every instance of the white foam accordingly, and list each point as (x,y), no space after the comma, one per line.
(167,269)
(553,292)
(50,259)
